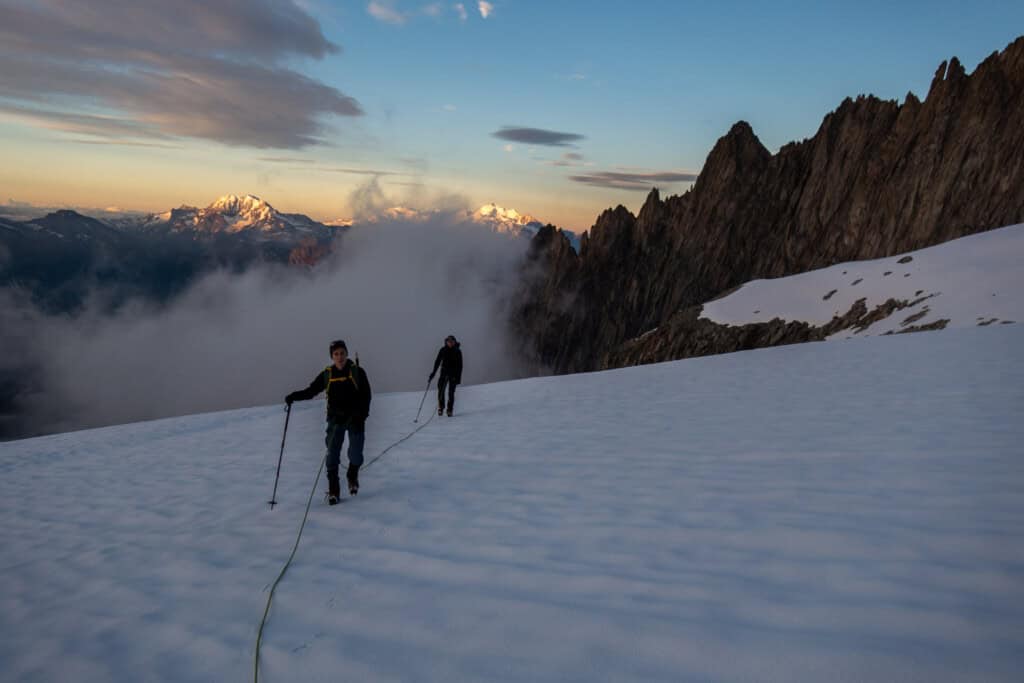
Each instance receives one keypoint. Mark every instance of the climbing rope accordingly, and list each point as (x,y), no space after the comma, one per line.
(298,537)
(402,440)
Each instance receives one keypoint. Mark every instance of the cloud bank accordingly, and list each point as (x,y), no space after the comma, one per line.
(211,69)
(537,136)
(393,291)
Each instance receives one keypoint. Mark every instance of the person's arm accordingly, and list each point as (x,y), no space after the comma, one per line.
(457,370)
(437,362)
(314,388)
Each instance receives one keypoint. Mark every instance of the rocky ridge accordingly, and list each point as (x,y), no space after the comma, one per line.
(878,178)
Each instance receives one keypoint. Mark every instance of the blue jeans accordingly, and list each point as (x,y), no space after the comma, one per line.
(336,438)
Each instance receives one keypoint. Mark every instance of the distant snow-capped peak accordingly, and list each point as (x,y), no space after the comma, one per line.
(492,213)
(510,221)
(496,218)
(232,213)
(242,213)
(249,205)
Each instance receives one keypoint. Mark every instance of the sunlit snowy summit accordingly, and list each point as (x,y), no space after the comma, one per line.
(233,214)
(496,218)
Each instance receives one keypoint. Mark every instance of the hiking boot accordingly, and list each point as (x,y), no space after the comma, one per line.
(440,411)
(332,500)
(449,412)
(352,475)
(333,484)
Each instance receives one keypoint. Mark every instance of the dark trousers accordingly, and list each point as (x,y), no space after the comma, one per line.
(336,429)
(443,381)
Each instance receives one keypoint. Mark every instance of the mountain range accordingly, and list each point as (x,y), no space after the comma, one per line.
(59,258)
(231,214)
(879,178)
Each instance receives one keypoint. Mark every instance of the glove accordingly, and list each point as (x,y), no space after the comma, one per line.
(290,398)
(431,377)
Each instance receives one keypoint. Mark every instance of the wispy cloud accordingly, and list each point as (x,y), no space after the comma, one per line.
(568,159)
(210,69)
(385,12)
(486,8)
(537,136)
(621,180)
(84,124)
(388,11)
(124,143)
(417,163)
(364,171)
(460,10)
(287,160)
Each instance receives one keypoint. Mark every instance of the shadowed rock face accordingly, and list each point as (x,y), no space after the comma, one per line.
(878,178)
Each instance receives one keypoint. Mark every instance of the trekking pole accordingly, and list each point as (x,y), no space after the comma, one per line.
(423,399)
(273,496)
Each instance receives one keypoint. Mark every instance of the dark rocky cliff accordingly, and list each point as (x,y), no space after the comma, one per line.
(878,178)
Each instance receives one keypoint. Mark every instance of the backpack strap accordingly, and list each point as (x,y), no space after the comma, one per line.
(350,377)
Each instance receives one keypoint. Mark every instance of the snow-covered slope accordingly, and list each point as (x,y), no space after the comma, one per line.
(807,513)
(974,280)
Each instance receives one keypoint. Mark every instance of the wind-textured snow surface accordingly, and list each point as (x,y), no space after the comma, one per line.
(972,281)
(846,511)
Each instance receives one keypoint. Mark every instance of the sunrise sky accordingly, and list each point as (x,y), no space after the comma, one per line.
(557,109)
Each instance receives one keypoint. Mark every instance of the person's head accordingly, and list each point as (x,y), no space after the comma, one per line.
(339,353)
(449,341)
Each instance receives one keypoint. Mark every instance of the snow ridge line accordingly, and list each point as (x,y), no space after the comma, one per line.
(298,537)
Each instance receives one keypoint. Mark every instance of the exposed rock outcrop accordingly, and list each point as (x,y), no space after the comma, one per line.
(877,179)
(686,335)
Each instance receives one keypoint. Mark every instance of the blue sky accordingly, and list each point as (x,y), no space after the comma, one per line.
(402,101)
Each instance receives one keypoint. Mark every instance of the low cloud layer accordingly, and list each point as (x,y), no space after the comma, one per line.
(393,291)
(210,69)
(16,210)
(632,181)
(537,136)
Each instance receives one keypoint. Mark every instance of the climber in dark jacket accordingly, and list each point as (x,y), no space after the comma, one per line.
(449,358)
(348,406)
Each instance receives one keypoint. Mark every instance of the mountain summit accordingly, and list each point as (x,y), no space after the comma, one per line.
(248,210)
(506,218)
(233,214)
